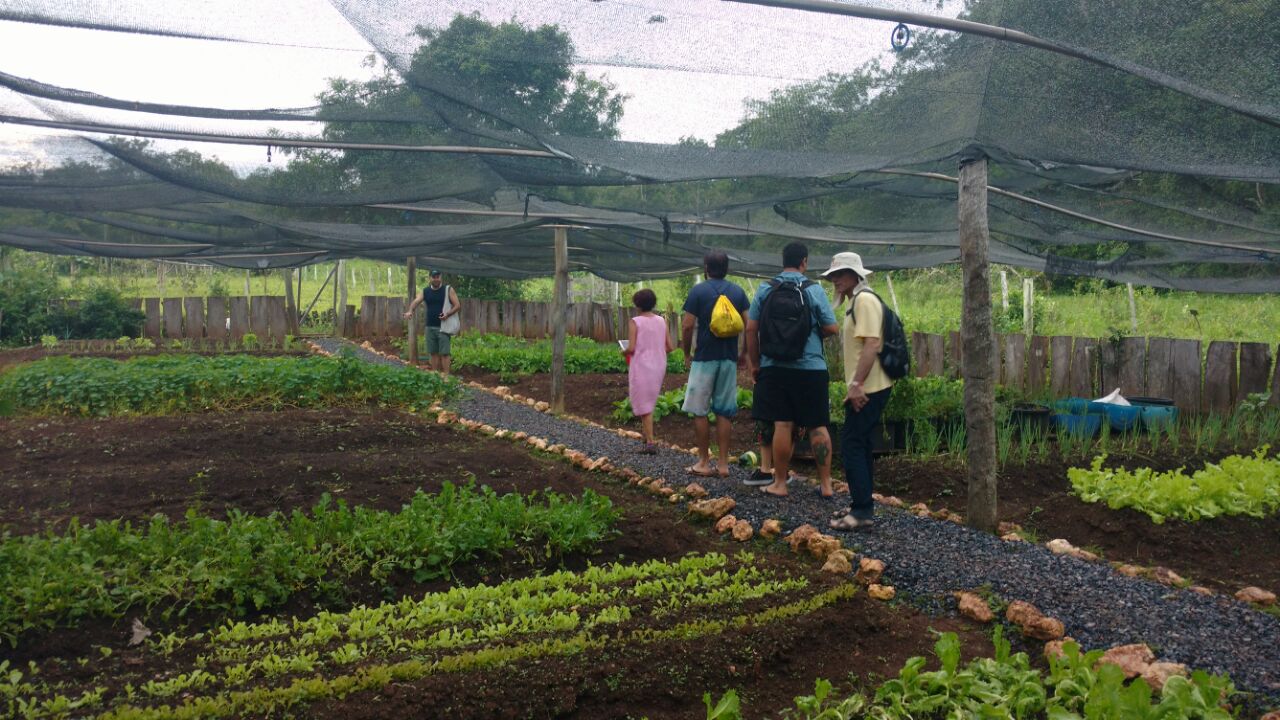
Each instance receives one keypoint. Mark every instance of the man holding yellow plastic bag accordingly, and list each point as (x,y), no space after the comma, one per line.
(716,308)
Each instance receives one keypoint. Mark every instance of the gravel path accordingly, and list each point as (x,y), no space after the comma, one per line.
(929,559)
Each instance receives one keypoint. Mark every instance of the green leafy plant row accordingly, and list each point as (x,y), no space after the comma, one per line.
(516,356)
(257,669)
(1006,686)
(1238,485)
(252,562)
(186,383)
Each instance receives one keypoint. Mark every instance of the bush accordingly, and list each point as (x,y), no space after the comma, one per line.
(25,298)
(103,314)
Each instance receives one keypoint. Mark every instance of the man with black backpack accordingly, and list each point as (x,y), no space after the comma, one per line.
(785,326)
(874,351)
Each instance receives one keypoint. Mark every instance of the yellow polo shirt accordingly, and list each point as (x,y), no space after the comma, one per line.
(864,321)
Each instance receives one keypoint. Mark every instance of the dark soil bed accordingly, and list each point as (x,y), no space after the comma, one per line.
(1226,553)
(58,468)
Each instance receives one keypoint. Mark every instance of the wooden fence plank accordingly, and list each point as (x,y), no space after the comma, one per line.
(259,317)
(216,318)
(1255,369)
(277,318)
(193,308)
(1084,368)
(151,326)
(919,354)
(1133,367)
(1219,393)
(239,317)
(364,325)
(1060,365)
(1015,359)
(349,321)
(937,345)
(383,309)
(1184,375)
(955,354)
(1159,368)
(1037,365)
(395,317)
(172,317)
(1275,381)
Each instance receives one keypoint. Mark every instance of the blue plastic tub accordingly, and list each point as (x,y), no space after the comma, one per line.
(1072,406)
(1082,425)
(1121,417)
(1157,417)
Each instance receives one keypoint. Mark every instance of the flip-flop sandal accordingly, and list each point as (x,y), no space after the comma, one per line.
(692,470)
(850,523)
(834,497)
(837,514)
(765,490)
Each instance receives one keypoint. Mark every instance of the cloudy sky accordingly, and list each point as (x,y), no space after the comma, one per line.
(687,65)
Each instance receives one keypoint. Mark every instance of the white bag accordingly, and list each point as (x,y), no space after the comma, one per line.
(452,324)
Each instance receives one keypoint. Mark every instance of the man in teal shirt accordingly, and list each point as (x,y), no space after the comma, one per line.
(793,392)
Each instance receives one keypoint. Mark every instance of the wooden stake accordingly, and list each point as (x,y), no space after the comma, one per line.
(247,290)
(1004,291)
(1133,310)
(340,320)
(290,306)
(893,296)
(560,306)
(1028,307)
(977,338)
(411,266)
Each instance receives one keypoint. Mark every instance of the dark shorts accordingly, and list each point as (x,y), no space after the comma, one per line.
(789,395)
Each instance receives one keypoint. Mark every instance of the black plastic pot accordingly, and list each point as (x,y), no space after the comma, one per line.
(1030,417)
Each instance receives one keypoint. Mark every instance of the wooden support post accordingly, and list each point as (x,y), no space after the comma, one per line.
(1028,307)
(558,312)
(412,269)
(1133,310)
(247,291)
(340,319)
(1004,291)
(977,336)
(290,304)
(893,296)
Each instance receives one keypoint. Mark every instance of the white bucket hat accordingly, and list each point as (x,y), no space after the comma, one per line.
(847,261)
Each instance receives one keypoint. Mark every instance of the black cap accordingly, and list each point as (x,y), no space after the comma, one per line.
(435,273)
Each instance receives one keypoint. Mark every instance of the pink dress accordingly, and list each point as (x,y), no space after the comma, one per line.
(648,364)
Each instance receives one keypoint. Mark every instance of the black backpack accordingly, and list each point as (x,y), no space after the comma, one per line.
(895,354)
(786,320)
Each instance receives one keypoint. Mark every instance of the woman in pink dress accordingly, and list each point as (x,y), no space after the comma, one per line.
(647,346)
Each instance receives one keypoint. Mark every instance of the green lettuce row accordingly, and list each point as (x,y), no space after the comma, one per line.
(1238,485)
(185,383)
(251,562)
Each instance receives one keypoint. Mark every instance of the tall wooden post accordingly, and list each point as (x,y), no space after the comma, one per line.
(340,320)
(1133,310)
(1028,307)
(978,340)
(560,306)
(412,269)
(290,305)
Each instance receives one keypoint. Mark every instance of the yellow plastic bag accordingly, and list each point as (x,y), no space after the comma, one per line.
(726,321)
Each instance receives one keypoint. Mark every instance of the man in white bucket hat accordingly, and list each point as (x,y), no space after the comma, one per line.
(862,335)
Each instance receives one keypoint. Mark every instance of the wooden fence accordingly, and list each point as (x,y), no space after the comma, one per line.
(1214,381)
(1198,379)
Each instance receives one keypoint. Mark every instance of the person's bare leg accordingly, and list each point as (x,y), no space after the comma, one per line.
(766,458)
(646,426)
(820,441)
(444,363)
(724,435)
(435,363)
(781,458)
(702,437)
